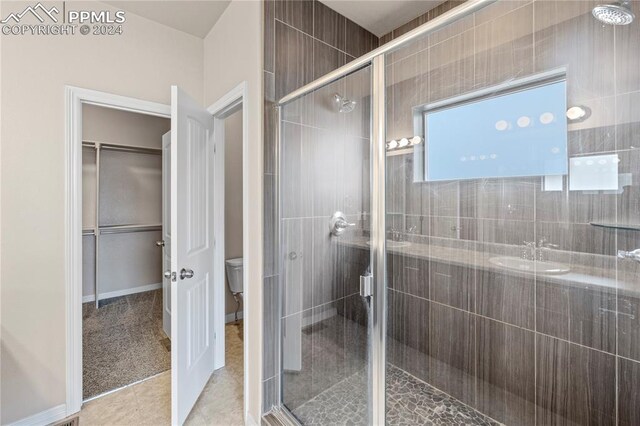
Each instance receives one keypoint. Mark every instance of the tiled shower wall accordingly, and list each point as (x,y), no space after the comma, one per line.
(520,348)
(304,40)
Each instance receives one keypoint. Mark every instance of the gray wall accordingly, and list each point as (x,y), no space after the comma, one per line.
(303,40)
(232,196)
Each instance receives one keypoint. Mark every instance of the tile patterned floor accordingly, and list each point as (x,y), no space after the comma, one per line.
(149,402)
(410,401)
(122,342)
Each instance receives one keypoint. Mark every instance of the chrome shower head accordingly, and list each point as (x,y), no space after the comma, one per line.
(614,13)
(344,104)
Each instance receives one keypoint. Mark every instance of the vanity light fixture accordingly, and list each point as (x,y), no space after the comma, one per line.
(404,142)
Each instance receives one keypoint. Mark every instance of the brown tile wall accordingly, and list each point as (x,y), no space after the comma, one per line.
(522,349)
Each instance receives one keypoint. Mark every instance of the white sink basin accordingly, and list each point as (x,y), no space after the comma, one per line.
(524,265)
(394,244)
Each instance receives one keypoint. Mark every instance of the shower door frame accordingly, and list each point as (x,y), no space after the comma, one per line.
(376,60)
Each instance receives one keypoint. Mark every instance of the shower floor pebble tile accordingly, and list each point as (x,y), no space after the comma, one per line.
(410,402)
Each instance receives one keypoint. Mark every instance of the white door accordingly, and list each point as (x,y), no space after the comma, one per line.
(192,242)
(166,232)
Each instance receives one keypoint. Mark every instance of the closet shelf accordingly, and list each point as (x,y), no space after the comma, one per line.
(123,147)
(122,229)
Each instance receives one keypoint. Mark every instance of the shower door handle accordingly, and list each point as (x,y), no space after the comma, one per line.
(366,286)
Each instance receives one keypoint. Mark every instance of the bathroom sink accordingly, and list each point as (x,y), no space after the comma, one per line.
(394,244)
(525,265)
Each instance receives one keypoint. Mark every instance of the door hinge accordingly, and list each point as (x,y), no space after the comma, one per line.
(366,285)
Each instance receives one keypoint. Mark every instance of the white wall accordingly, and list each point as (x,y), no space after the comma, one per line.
(142,63)
(232,195)
(232,54)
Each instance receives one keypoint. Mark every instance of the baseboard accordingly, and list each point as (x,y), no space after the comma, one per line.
(126,291)
(232,317)
(43,418)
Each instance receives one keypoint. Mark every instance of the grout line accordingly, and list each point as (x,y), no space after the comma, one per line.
(338,300)
(509,324)
(311,36)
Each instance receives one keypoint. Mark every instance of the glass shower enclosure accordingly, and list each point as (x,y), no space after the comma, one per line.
(460,224)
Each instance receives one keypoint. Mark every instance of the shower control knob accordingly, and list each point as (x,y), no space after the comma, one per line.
(186,273)
(338,224)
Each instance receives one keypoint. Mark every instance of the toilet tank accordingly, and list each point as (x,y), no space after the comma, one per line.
(234,275)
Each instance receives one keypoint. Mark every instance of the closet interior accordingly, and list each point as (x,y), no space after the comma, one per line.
(124,340)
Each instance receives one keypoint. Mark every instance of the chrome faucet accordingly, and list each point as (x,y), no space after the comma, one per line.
(544,246)
(632,255)
(395,234)
(529,250)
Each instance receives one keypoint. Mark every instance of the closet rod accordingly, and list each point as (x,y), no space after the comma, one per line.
(123,148)
(122,229)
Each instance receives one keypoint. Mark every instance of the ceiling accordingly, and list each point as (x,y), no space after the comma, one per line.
(193,17)
(381,16)
(198,17)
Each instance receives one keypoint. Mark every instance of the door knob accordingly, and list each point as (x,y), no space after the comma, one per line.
(160,243)
(167,273)
(186,273)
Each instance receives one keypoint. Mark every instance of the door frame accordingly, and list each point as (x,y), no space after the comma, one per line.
(223,107)
(75,97)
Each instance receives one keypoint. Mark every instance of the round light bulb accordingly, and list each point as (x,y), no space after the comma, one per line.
(403,142)
(546,118)
(576,113)
(524,121)
(416,140)
(392,144)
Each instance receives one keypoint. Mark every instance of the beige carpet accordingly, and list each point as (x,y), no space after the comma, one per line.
(122,342)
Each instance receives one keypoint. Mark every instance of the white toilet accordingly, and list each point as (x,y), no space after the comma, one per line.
(235,281)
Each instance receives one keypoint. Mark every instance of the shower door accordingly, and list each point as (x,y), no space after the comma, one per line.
(325,216)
